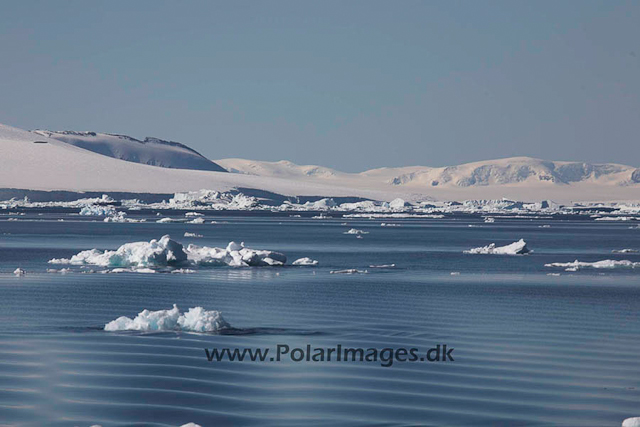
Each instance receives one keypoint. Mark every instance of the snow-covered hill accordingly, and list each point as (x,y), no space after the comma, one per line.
(524,171)
(34,161)
(151,151)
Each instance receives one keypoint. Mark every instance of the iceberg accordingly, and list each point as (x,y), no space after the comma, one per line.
(121,217)
(624,251)
(96,210)
(19,272)
(163,252)
(197,319)
(355,231)
(515,248)
(606,264)
(397,204)
(305,261)
(631,422)
(234,255)
(169,253)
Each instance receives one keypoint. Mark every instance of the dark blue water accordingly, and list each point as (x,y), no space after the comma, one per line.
(530,349)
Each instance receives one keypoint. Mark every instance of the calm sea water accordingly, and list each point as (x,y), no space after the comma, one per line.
(530,349)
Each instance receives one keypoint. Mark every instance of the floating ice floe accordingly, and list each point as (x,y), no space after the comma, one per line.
(19,272)
(97,210)
(169,253)
(489,220)
(384,224)
(515,248)
(197,319)
(305,261)
(631,422)
(616,218)
(455,273)
(183,271)
(198,220)
(349,271)
(193,214)
(121,217)
(355,231)
(624,251)
(606,264)
(188,234)
(142,270)
(382,266)
(61,271)
(164,220)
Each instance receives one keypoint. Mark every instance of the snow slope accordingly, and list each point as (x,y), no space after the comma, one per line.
(520,178)
(151,151)
(57,165)
(514,170)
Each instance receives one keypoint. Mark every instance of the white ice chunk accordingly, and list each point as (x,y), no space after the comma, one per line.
(356,231)
(166,252)
(631,422)
(97,210)
(515,248)
(397,203)
(606,264)
(189,234)
(305,261)
(349,271)
(196,319)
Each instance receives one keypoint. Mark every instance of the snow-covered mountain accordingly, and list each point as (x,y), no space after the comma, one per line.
(35,161)
(150,151)
(525,171)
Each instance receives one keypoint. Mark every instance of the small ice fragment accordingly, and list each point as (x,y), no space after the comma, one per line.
(305,261)
(188,234)
(349,271)
(515,248)
(356,231)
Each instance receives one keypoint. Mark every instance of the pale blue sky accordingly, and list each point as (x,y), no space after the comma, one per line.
(347,84)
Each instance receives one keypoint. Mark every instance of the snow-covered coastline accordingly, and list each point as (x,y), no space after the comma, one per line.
(43,161)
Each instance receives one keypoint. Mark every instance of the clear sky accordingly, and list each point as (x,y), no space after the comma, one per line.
(346,84)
